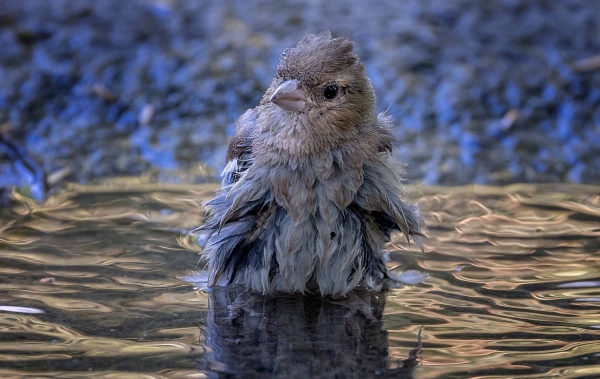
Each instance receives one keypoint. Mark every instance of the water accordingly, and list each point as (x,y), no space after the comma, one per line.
(512,291)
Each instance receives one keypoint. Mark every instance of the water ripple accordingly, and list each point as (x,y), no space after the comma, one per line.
(509,287)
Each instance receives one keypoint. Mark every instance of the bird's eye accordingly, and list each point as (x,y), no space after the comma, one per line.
(330,92)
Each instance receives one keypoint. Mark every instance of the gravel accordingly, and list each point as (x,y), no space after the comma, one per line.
(483,91)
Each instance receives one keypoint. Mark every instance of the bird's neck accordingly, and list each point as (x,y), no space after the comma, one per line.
(292,139)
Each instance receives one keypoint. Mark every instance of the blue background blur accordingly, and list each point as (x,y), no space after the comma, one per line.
(481,91)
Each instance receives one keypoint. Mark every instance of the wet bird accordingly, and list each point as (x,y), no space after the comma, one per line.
(310,193)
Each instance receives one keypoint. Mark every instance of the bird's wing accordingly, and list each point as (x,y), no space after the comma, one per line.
(393,214)
(384,129)
(239,154)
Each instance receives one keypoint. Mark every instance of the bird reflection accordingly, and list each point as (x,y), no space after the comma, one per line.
(299,336)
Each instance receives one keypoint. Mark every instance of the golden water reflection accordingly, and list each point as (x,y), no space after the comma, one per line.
(513,291)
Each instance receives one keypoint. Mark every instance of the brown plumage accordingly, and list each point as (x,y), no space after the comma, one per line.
(310,192)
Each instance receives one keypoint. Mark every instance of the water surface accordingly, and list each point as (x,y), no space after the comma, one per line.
(513,291)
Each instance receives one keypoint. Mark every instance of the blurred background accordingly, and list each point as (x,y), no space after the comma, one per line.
(491,92)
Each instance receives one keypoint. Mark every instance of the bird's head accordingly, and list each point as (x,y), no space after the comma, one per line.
(322,81)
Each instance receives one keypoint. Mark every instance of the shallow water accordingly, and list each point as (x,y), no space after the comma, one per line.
(513,291)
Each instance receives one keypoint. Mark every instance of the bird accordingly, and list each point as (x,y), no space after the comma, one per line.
(311,192)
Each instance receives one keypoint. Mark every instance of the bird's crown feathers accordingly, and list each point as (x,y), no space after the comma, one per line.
(315,57)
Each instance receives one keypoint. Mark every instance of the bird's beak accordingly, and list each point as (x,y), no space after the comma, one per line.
(289,96)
